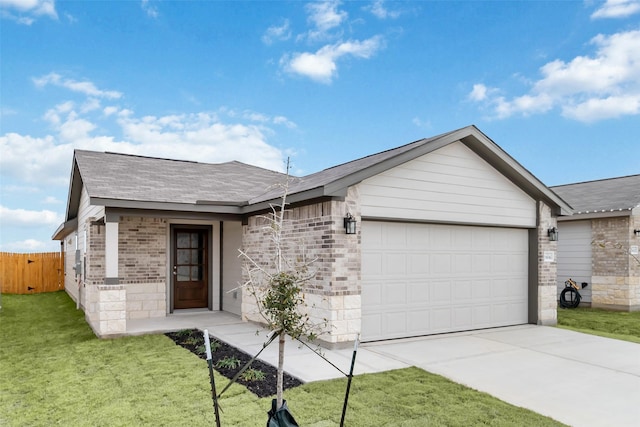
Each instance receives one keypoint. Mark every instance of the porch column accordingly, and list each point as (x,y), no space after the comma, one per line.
(111,251)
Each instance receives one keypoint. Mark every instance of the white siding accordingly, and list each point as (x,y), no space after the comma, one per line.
(451,184)
(574,255)
(231,267)
(420,279)
(85,212)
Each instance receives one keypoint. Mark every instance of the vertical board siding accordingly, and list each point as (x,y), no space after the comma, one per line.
(31,273)
(452,184)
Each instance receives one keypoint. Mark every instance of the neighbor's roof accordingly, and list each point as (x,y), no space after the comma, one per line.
(135,182)
(602,196)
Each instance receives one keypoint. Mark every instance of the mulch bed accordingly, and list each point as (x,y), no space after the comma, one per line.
(193,340)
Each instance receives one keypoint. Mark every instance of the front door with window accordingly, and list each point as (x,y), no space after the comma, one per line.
(190,268)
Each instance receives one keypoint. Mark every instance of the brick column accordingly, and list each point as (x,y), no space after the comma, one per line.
(547,268)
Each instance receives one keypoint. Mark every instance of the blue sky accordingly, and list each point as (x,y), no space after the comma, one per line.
(555,84)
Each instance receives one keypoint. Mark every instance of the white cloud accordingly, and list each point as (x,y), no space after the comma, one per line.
(85,87)
(322,66)
(32,9)
(23,217)
(479,92)
(617,9)
(325,14)
(149,9)
(51,200)
(379,10)
(323,17)
(277,33)
(587,88)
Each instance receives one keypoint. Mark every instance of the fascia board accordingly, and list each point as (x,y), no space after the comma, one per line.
(75,191)
(114,214)
(64,229)
(164,206)
(597,215)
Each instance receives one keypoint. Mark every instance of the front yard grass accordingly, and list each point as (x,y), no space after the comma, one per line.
(620,325)
(54,371)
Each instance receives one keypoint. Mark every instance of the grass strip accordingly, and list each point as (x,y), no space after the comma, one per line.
(621,325)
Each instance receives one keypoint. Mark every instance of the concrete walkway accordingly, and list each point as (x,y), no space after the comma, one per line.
(578,379)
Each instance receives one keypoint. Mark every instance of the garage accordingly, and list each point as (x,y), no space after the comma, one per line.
(420,279)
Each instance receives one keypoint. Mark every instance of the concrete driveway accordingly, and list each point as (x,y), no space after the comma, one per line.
(578,379)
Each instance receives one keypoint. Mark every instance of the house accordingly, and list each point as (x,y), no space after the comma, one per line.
(598,245)
(451,235)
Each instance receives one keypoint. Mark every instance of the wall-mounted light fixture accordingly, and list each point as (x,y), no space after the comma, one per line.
(350,224)
(553,234)
(636,232)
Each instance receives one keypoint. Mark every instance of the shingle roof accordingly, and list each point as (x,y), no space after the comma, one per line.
(129,181)
(606,195)
(146,179)
(338,172)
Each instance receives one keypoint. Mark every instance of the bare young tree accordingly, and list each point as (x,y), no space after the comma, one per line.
(278,285)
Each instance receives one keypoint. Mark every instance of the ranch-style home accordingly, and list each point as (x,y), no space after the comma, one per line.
(599,244)
(451,234)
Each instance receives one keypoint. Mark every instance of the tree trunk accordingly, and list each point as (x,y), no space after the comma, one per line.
(280,383)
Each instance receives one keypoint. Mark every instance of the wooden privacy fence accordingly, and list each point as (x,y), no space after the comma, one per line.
(31,273)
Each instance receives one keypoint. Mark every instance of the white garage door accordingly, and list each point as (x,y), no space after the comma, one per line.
(420,279)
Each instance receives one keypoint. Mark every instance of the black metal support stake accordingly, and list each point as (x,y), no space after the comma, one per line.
(350,376)
(213,382)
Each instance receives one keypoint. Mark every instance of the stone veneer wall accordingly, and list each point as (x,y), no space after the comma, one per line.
(615,273)
(547,271)
(318,231)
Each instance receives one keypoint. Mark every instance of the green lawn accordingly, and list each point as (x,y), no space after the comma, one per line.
(612,324)
(53,371)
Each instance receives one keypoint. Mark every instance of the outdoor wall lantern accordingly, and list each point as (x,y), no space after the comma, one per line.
(636,232)
(553,234)
(350,224)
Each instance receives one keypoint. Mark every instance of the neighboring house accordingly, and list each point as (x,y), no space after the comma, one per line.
(452,235)
(598,243)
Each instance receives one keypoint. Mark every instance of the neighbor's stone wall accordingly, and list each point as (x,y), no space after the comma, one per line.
(547,270)
(142,265)
(615,273)
(316,231)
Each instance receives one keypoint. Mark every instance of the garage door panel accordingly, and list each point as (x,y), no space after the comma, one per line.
(419,293)
(441,263)
(462,317)
(481,289)
(441,320)
(450,278)
(395,293)
(419,263)
(441,292)
(373,261)
(482,263)
(372,297)
(463,263)
(463,290)
(395,264)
